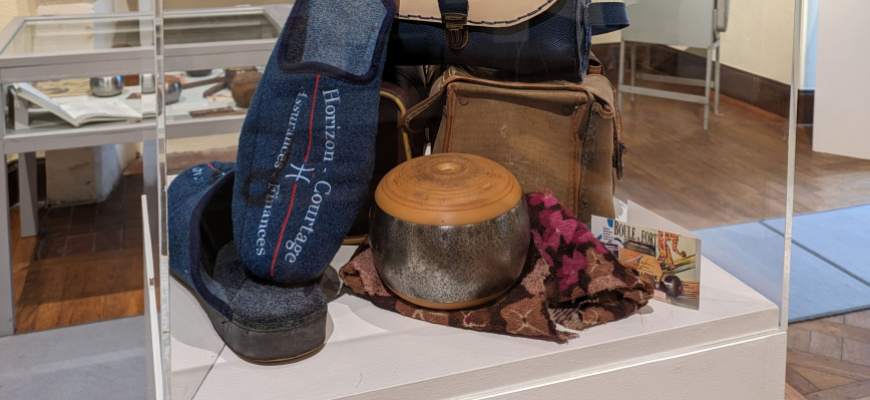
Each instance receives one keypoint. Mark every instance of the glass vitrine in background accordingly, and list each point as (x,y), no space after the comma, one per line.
(34,50)
(44,48)
(58,55)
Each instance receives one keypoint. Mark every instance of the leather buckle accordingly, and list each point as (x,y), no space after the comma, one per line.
(618,162)
(455,31)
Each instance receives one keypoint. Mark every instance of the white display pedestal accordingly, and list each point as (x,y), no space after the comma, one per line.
(730,349)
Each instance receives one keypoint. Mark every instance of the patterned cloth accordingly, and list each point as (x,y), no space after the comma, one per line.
(570,279)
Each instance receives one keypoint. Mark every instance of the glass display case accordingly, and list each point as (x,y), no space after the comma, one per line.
(44,48)
(687,171)
(62,52)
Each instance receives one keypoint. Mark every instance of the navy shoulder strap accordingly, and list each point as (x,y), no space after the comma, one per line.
(453,6)
(607,17)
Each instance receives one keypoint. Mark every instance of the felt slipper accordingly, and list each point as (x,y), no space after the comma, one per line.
(306,149)
(261,321)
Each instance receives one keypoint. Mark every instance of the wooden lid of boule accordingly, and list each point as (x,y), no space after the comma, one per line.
(448,189)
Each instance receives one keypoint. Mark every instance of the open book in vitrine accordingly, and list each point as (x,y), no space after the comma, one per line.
(80,112)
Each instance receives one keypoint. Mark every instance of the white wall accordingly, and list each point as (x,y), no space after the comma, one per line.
(85,175)
(758,40)
(809,40)
(109,162)
(841,121)
(13,8)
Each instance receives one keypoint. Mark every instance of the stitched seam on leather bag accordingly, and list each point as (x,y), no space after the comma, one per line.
(483,22)
(587,148)
(575,161)
(607,112)
(616,120)
(450,106)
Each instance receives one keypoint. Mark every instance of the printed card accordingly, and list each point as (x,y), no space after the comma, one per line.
(673,261)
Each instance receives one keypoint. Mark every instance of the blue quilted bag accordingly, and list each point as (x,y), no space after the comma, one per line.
(546,38)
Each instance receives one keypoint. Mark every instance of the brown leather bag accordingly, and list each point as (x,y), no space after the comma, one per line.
(555,135)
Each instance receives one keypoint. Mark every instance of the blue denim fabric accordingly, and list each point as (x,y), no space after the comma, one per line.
(188,196)
(203,255)
(266,305)
(306,149)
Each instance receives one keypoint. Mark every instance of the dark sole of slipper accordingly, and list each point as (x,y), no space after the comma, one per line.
(265,346)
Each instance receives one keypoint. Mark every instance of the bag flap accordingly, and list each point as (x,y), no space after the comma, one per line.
(600,85)
(430,106)
(596,85)
(492,13)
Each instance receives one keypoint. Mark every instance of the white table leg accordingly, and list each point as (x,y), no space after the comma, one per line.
(150,169)
(718,79)
(707,79)
(27,194)
(633,67)
(7,308)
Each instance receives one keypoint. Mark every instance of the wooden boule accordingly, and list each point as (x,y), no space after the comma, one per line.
(449,231)
(243,87)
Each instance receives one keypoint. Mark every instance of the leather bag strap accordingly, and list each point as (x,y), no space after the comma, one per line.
(595,65)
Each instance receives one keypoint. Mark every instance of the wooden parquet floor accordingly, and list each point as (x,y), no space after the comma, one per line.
(733,173)
(829,358)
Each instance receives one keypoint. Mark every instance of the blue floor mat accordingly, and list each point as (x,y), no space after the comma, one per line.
(753,252)
(841,237)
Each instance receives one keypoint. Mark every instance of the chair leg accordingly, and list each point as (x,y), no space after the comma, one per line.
(647,59)
(707,88)
(718,79)
(621,77)
(7,297)
(633,65)
(27,194)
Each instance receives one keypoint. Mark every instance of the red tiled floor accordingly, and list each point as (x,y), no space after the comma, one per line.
(110,225)
(132,238)
(84,214)
(108,240)
(51,245)
(79,244)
